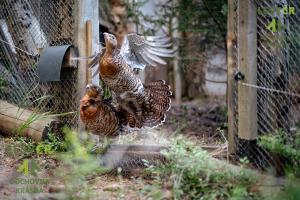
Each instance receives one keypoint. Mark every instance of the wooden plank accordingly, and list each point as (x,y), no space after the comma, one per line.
(125,157)
(123,147)
(129,157)
(230,77)
(86,10)
(151,148)
(68,62)
(247,62)
(176,68)
(18,113)
(9,125)
(89,45)
(13,117)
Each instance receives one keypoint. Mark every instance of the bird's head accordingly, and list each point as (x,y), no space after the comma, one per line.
(89,104)
(110,41)
(94,91)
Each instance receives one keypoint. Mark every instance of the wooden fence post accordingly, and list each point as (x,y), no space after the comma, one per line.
(89,46)
(230,78)
(247,62)
(176,68)
(86,10)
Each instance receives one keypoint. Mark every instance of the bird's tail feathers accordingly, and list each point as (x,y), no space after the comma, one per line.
(157,104)
(126,119)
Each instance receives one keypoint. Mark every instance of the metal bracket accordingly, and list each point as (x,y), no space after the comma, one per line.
(238,76)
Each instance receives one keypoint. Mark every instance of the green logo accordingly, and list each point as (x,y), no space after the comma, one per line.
(29,167)
(29,184)
(276,25)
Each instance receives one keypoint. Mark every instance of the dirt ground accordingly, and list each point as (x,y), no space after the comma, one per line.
(198,121)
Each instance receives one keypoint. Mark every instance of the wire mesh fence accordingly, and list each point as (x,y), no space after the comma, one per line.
(27,26)
(278,111)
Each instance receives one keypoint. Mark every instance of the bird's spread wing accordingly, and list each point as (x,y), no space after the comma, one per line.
(95,61)
(141,51)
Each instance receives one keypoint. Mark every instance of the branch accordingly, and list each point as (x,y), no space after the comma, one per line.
(213,81)
(217,68)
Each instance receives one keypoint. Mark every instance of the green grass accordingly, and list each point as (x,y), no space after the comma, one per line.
(287,146)
(36,114)
(26,147)
(80,165)
(192,174)
(289,192)
(77,163)
(19,147)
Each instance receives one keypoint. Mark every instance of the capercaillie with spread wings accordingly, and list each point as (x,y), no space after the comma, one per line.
(148,104)
(101,117)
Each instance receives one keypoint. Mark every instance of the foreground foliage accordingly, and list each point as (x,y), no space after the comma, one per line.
(78,165)
(190,172)
(286,146)
(194,175)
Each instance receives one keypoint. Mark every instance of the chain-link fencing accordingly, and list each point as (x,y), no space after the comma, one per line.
(27,26)
(278,79)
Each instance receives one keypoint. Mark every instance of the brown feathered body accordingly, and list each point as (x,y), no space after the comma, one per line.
(147,104)
(100,117)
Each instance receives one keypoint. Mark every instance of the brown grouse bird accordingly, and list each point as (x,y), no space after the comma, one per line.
(99,115)
(146,103)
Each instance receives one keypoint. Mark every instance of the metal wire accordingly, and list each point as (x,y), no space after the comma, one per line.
(278,77)
(270,89)
(26,26)
(5,42)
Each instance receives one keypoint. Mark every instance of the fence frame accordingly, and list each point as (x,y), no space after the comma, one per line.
(247,65)
(246,16)
(86,40)
(230,76)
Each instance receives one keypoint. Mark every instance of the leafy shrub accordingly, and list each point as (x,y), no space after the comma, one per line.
(79,164)
(195,175)
(286,146)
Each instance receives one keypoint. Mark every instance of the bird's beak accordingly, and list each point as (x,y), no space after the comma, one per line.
(105,36)
(88,86)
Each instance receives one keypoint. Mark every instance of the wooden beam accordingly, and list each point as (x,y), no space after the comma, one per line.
(68,62)
(86,10)
(132,157)
(230,77)
(247,62)
(152,148)
(149,148)
(89,46)
(13,117)
(176,68)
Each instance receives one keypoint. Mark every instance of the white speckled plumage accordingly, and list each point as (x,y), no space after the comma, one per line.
(148,104)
